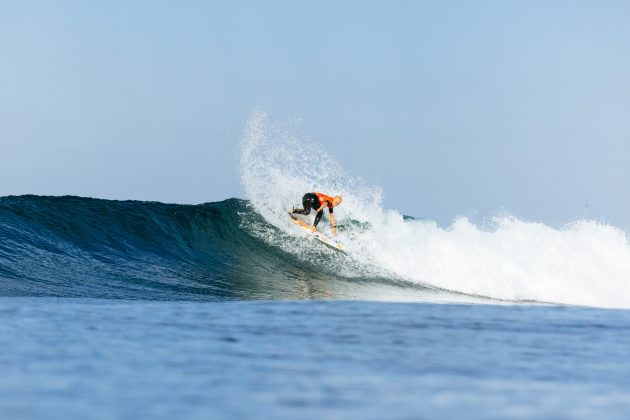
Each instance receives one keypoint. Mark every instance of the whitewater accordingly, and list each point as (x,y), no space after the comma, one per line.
(507,259)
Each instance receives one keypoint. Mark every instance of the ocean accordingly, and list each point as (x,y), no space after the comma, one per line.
(129,309)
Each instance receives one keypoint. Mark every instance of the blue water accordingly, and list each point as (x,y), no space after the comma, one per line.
(90,358)
(125,309)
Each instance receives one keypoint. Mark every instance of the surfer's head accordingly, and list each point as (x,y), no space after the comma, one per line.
(337,200)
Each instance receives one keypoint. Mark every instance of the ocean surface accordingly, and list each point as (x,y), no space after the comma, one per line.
(128,309)
(94,358)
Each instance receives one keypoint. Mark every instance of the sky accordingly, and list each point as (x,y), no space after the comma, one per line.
(452,107)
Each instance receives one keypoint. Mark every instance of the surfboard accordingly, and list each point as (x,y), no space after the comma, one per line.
(316,234)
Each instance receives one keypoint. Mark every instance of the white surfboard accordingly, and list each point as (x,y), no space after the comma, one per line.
(318,235)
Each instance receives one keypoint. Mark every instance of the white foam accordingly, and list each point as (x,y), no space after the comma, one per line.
(584,263)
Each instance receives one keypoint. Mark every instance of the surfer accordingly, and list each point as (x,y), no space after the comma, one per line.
(318,201)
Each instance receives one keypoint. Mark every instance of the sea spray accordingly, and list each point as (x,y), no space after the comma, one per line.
(582,263)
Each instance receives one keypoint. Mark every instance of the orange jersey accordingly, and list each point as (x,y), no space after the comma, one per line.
(324,198)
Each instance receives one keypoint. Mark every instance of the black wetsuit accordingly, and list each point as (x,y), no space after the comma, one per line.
(311,201)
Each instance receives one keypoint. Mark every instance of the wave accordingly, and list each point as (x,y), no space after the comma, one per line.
(248,249)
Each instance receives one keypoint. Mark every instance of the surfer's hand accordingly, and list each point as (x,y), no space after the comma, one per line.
(334,230)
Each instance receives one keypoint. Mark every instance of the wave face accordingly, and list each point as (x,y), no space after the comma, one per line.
(583,263)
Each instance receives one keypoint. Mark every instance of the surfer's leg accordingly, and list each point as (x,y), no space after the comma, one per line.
(306,210)
(318,217)
(308,202)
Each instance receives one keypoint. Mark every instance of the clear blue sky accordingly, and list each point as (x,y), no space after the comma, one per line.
(452,107)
